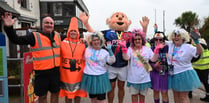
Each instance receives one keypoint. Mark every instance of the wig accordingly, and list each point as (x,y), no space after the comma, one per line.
(137,32)
(183,33)
(90,37)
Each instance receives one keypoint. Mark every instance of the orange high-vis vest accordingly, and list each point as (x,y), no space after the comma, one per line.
(45,56)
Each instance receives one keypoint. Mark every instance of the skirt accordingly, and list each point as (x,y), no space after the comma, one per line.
(96,84)
(159,82)
(140,86)
(185,81)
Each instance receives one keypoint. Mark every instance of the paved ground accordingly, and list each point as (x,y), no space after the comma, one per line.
(149,99)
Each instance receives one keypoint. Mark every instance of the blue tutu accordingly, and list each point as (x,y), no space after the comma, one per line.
(185,81)
(141,86)
(96,84)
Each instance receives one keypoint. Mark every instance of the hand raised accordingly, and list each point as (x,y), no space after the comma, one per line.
(109,45)
(144,22)
(7,18)
(84,18)
(159,46)
(122,43)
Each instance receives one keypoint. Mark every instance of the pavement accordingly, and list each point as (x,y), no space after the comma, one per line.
(148,99)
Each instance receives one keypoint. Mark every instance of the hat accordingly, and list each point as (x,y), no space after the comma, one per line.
(202,41)
(159,35)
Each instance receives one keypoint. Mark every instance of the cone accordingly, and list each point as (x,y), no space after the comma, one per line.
(73,26)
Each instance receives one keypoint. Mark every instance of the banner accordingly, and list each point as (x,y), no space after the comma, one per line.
(29,96)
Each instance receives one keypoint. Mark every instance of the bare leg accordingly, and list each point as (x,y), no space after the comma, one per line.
(94,100)
(184,97)
(68,100)
(134,98)
(141,98)
(176,96)
(54,98)
(77,99)
(156,95)
(121,91)
(42,99)
(101,101)
(165,96)
(111,94)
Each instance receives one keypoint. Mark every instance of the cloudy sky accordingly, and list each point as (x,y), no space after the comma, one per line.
(100,10)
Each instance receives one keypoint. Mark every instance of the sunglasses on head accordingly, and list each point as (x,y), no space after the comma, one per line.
(158,39)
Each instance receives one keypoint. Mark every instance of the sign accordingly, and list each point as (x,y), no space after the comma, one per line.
(3,71)
(21,32)
(29,96)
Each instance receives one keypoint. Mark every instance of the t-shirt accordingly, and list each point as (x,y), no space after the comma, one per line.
(96,61)
(136,72)
(181,56)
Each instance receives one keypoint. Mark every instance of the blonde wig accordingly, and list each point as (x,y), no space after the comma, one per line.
(183,33)
(90,37)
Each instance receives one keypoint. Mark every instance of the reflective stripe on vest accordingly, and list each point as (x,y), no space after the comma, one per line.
(203,62)
(45,56)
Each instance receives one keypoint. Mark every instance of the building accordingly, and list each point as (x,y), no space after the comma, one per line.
(62,11)
(29,14)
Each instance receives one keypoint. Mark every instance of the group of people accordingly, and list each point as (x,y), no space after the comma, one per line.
(66,67)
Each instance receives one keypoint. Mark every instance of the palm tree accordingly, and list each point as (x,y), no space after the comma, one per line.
(204,30)
(187,20)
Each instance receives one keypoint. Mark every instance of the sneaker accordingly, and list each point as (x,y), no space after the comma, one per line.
(190,95)
(206,98)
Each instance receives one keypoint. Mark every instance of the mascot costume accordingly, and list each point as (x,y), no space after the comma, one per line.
(117,34)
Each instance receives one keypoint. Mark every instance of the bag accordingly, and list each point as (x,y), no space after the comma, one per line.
(170,69)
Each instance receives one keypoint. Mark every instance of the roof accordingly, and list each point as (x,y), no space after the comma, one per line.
(4,7)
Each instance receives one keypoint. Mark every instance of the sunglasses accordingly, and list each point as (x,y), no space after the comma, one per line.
(137,39)
(158,39)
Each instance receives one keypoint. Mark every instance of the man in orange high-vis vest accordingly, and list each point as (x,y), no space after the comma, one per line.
(72,65)
(45,47)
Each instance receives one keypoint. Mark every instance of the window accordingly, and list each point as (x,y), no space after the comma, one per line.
(68,9)
(57,9)
(25,4)
(23,24)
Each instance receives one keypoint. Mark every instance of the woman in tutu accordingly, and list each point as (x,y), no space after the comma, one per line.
(159,74)
(95,78)
(180,54)
(138,56)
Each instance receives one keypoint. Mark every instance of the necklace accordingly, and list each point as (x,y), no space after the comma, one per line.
(119,35)
(95,54)
(73,50)
(176,50)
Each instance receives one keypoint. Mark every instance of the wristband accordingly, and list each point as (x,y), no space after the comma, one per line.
(196,41)
(110,52)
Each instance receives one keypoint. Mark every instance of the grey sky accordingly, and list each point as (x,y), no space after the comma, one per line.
(100,10)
